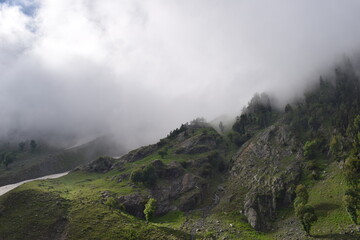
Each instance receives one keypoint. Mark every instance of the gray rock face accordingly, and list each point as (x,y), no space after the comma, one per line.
(188,182)
(196,144)
(171,171)
(252,217)
(139,153)
(101,165)
(183,192)
(269,168)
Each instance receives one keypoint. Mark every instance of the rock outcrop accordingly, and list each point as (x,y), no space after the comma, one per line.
(268,165)
(139,153)
(180,190)
(100,165)
(197,144)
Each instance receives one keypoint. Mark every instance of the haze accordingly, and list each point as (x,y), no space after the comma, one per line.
(138,69)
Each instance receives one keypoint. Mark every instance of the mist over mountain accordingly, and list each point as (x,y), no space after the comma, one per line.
(136,69)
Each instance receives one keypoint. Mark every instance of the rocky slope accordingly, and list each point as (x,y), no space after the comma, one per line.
(182,176)
(269,167)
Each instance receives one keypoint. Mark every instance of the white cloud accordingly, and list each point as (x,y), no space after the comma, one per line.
(125,66)
(15,33)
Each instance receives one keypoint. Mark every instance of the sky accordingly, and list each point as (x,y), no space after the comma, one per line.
(138,69)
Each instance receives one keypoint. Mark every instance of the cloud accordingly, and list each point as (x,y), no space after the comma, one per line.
(140,68)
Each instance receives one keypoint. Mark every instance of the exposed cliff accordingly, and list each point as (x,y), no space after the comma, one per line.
(269,167)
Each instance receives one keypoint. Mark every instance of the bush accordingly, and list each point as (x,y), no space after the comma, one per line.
(311,165)
(111,202)
(352,204)
(147,176)
(7,158)
(302,195)
(304,212)
(206,170)
(33,145)
(163,153)
(311,148)
(136,176)
(150,208)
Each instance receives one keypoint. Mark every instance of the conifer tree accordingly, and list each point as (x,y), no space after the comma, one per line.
(303,211)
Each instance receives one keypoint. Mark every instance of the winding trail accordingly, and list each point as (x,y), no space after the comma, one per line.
(7,188)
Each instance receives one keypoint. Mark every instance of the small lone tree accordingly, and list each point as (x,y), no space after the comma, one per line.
(221,126)
(288,108)
(150,208)
(7,161)
(111,202)
(336,147)
(352,204)
(7,158)
(147,176)
(33,145)
(303,211)
(302,196)
(22,146)
(352,173)
(352,194)
(136,176)
(310,148)
(163,153)
(307,216)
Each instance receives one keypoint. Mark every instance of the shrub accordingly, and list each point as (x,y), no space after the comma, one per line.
(150,208)
(311,148)
(302,195)
(163,153)
(112,203)
(147,176)
(304,212)
(351,202)
(33,145)
(136,176)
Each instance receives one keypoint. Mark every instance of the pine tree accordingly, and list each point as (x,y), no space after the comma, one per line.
(303,211)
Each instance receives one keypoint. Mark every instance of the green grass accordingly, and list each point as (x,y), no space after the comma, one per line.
(31,214)
(239,228)
(86,216)
(173,219)
(326,196)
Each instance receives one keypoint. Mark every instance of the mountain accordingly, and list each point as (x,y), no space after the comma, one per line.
(46,159)
(274,173)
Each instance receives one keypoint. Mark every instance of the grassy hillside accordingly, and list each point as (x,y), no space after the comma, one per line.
(82,210)
(326,196)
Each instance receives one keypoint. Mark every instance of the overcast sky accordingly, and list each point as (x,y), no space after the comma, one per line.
(139,68)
